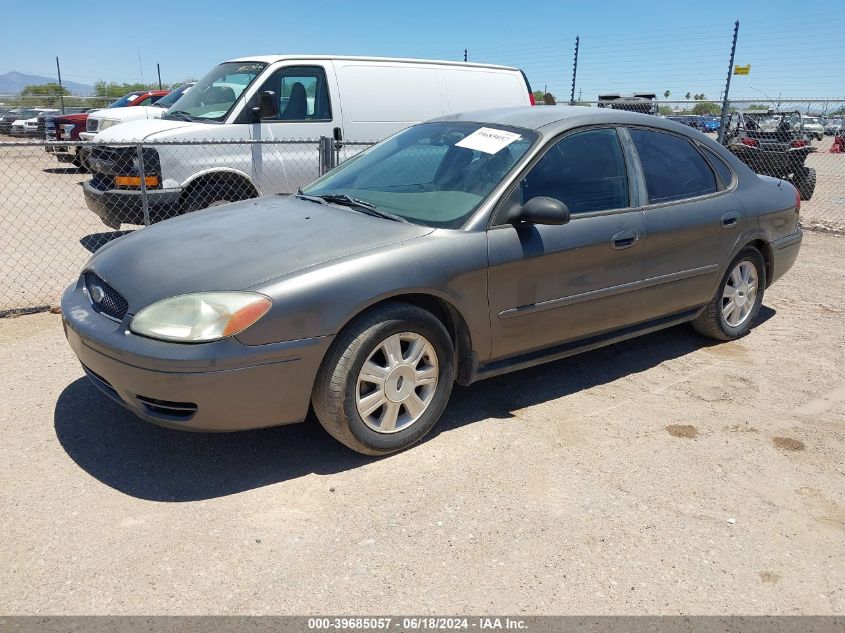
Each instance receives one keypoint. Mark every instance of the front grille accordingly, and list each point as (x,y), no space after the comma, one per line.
(167,409)
(105,299)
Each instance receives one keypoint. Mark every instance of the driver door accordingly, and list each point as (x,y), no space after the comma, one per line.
(304,113)
(553,284)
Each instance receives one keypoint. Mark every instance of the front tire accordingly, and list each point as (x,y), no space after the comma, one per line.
(386,379)
(733,310)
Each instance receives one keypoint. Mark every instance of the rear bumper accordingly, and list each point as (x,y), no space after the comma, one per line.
(118,206)
(220,386)
(784,253)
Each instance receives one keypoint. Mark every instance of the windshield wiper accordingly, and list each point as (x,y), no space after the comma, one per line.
(180,114)
(363,206)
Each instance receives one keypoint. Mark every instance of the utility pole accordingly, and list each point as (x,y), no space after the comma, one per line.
(158,70)
(465,54)
(61,90)
(574,71)
(724,119)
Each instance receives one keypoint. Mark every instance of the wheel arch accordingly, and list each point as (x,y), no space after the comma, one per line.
(444,311)
(228,176)
(768,256)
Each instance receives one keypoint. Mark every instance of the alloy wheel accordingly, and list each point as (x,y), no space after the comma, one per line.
(397,382)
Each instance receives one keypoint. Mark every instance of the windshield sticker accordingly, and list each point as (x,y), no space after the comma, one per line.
(488,140)
(249,68)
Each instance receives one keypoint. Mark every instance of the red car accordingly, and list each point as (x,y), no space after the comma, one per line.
(66,127)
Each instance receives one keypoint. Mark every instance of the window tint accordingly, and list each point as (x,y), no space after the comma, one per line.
(672,167)
(585,171)
(302,94)
(722,169)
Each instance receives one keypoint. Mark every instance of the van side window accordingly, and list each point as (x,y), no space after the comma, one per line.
(585,171)
(303,94)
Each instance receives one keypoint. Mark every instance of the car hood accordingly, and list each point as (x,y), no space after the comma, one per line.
(131,113)
(237,246)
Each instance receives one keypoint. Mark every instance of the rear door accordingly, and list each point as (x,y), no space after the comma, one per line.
(305,113)
(691,219)
(552,284)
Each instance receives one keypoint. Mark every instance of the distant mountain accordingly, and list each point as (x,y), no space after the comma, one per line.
(13,82)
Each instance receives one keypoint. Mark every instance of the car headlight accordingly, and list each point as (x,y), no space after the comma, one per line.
(200,317)
(106,123)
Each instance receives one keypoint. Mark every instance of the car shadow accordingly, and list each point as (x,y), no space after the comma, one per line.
(149,462)
(95,241)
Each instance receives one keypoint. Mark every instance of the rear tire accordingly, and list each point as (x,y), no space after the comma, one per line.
(805,182)
(403,388)
(736,304)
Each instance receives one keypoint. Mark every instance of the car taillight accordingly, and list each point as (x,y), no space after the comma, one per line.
(798,143)
(531,98)
(751,142)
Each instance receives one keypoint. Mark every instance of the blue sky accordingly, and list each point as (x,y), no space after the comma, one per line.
(795,49)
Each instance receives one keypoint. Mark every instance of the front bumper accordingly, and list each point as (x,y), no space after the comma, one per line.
(118,206)
(220,386)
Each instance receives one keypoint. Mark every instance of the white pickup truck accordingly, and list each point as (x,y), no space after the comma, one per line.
(99,120)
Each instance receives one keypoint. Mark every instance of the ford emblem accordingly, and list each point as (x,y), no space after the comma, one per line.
(97,294)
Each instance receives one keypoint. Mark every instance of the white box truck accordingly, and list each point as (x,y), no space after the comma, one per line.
(203,150)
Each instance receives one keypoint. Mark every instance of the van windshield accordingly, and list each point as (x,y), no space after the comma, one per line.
(213,96)
(435,174)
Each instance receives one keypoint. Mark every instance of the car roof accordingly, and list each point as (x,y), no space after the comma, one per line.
(272,59)
(554,119)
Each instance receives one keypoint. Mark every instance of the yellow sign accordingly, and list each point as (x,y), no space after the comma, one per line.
(742,70)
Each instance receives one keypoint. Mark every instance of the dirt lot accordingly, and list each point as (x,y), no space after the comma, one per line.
(663,475)
(47,233)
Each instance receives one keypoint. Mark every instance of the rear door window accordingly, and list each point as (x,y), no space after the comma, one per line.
(673,168)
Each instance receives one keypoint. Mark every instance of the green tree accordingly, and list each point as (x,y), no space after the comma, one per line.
(667,93)
(665,110)
(705,107)
(48,94)
(114,90)
(538,96)
(687,96)
(757,106)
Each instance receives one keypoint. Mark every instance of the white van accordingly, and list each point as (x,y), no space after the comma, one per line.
(273,99)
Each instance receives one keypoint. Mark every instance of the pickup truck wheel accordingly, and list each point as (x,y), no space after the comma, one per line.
(805,182)
(733,309)
(386,379)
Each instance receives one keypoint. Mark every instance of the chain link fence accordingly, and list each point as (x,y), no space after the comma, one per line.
(61,201)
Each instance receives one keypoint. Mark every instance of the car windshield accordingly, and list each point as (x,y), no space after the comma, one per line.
(215,95)
(434,174)
(771,122)
(168,100)
(27,114)
(811,120)
(124,101)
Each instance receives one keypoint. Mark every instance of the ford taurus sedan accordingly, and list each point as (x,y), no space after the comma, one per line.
(458,249)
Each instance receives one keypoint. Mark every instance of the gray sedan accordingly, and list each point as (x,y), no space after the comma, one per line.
(458,249)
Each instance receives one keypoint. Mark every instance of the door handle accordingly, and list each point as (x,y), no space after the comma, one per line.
(730,219)
(624,239)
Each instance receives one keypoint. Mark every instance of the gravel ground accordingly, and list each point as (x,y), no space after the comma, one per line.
(664,475)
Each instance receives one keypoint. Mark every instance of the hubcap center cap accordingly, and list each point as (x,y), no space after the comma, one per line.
(400,383)
(741,295)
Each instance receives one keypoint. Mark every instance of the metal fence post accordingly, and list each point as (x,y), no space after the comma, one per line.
(139,149)
(725,103)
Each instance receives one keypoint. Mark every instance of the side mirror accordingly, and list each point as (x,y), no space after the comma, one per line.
(541,210)
(268,105)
